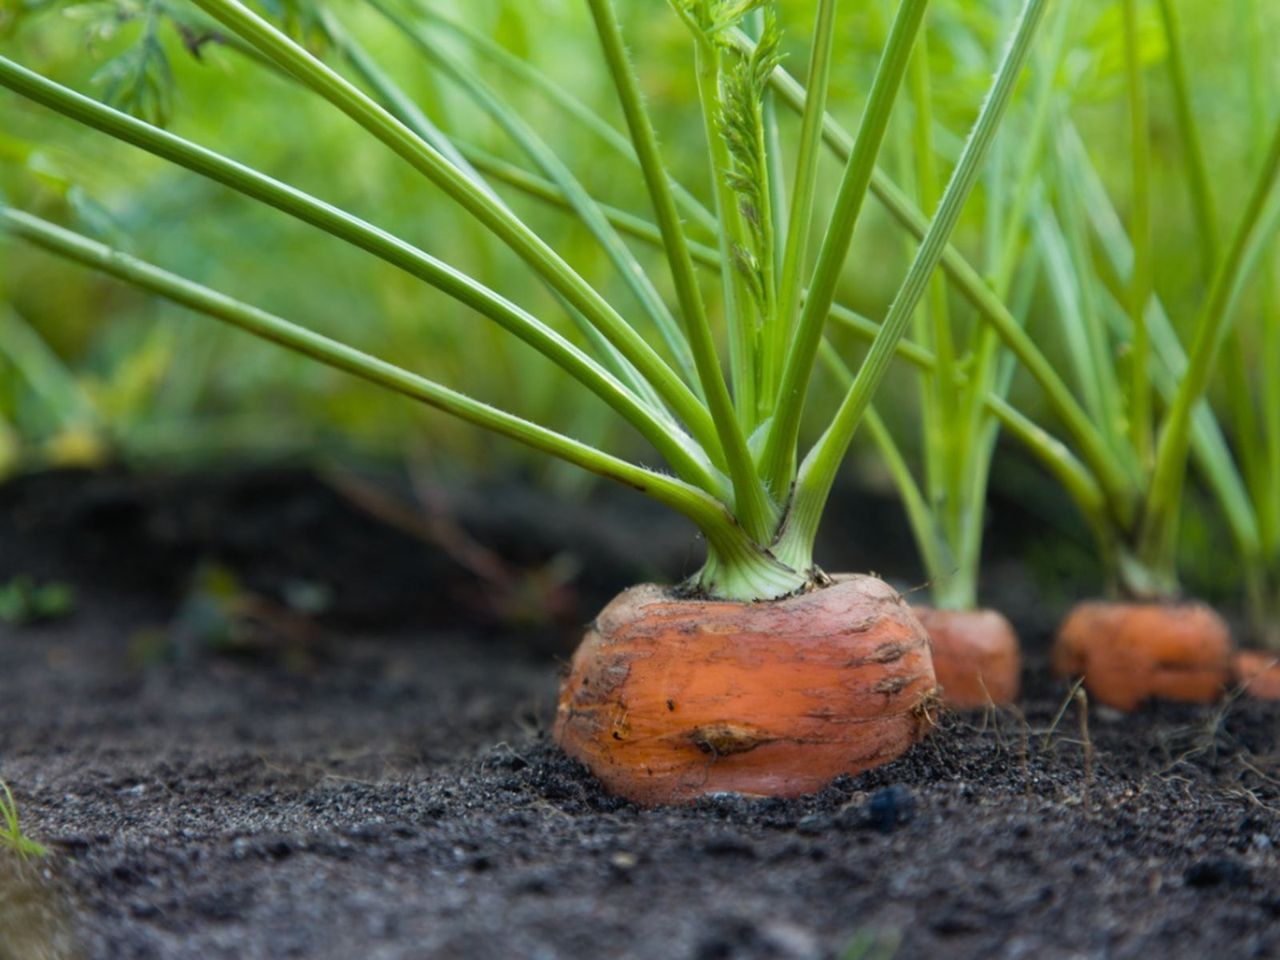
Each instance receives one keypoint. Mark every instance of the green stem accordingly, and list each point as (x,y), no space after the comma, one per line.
(546,159)
(1202,202)
(1089,350)
(818,472)
(1054,455)
(496,217)
(737,564)
(940,407)
(681,452)
(751,501)
(1140,414)
(779,456)
(738,307)
(929,539)
(527,74)
(1158,536)
(1212,452)
(1121,485)
(804,189)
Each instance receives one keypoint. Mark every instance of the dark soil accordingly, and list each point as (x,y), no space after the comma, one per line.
(221,774)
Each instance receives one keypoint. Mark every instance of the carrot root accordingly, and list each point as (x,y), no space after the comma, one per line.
(671,699)
(1132,652)
(976,656)
(1259,672)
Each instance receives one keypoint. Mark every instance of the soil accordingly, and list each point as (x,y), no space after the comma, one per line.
(338,751)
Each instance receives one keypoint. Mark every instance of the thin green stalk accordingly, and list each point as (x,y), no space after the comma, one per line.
(1158,537)
(818,472)
(779,455)
(1052,453)
(1268,493)
(681,452)
(932,440)
(804,189)
(932,544)
(995,370)
(940,406)
(546,159)
(991,367)
(399,103)
(543,189)
(1120,483)
(392,96)
(1140,411)
(496,217)
(1202,202)
(727,543)
(1067,261)
(1211,449)
(738,308)
(751,501)
(526,73)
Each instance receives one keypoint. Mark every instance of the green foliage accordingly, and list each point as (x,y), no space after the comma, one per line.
(11,835)
(872,945)
(24,600)
(712,18)
(1047,229)
(742,125)
(140,80)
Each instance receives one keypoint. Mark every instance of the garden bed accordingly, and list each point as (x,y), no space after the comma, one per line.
(378,781)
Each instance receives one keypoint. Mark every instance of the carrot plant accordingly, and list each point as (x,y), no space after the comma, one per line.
(1126,359)
(1251,352)
(1123,467)
(1254,412)
(1136,411)
(731,440)
(964,373)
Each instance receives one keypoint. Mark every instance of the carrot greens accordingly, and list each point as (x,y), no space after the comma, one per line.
(730,435)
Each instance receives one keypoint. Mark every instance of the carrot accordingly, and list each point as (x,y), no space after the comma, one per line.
(1131,652)
(976,656)
(1259,671)
(670,699)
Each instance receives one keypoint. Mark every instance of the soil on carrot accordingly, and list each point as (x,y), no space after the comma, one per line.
(333,750)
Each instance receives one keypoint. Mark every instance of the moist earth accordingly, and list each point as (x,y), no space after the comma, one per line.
(226,771)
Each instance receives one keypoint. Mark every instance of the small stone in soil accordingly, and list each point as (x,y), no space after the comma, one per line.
(1217,872)
(890,808)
